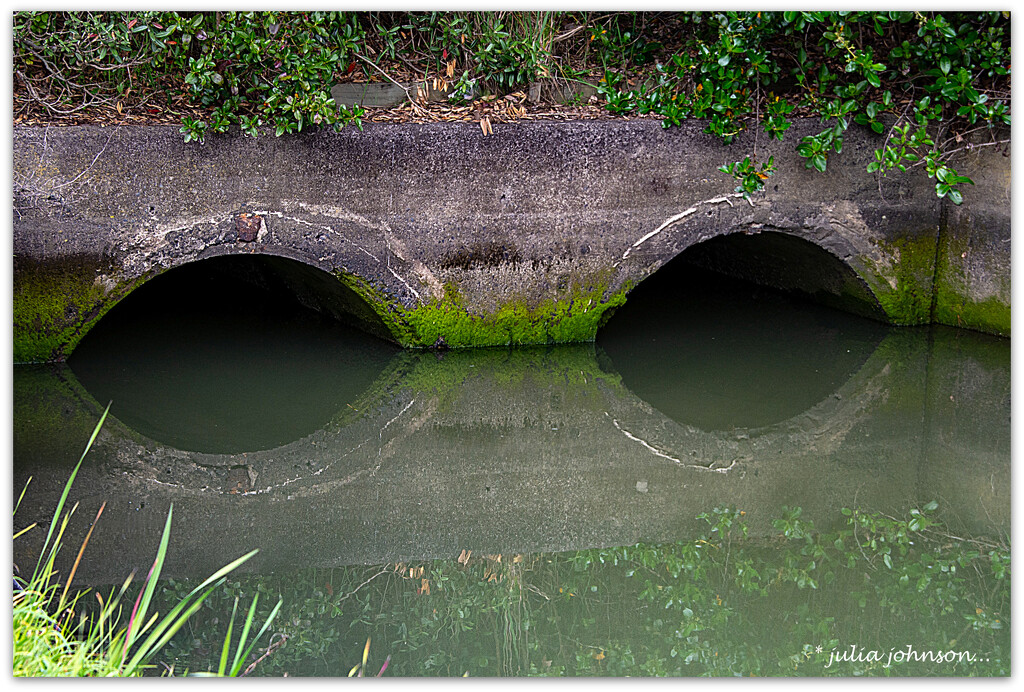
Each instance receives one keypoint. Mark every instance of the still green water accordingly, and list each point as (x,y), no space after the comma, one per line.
(727,481)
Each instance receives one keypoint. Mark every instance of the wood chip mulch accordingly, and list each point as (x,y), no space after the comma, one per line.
(484,111)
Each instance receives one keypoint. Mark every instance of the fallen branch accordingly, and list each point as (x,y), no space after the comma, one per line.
(274,646)
(680,217)
(404,88)
(353,591)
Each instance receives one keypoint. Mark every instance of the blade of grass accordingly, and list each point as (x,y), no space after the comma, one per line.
(67,486)
(74,568)
(170,619)
(227,641)
(22,496)
(26,530)
(235,666)
(167,628)
(142,602)
(266,626)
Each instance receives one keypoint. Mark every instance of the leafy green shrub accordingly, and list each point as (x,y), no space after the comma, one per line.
(942,75)
(932,84)
(277,67)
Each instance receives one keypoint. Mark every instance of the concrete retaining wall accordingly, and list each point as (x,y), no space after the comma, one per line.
(529,235)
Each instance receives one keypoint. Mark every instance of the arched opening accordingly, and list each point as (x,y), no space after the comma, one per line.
(742,331)
(231,354)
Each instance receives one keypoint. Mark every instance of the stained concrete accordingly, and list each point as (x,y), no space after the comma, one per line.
(531,234)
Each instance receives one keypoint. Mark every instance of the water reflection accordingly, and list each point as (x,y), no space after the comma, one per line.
(529,449)
(551,455)
(877,595)
(204,360)
(677,346)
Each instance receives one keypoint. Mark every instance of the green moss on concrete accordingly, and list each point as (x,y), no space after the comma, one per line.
(991,315)
(953,304)
(910,302)
(447,321)
(56,302)
(389,312)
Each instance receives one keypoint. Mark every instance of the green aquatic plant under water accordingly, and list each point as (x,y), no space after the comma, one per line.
(875,595)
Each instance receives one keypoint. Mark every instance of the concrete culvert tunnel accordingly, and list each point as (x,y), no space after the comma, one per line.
(743,331)
(232,354)
(789,264)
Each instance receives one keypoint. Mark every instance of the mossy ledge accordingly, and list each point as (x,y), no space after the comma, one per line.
(56,301)
(910,302)
(447,323)
(930,292)
(954,304)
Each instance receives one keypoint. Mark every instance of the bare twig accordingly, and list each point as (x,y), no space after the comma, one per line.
(404,88)
(27,187)
(274,646)
(572,32)
(353,591)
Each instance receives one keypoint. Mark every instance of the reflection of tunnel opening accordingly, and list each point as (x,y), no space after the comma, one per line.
(231,354)
(737,332)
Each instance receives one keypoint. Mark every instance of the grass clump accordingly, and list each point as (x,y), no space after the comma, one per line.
(51,641)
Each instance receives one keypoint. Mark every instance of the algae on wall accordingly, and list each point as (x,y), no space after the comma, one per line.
(971,288)
(447,323)
(56,301)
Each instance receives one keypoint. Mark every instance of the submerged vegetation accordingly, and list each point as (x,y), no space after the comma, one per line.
(908,596)
(931,84)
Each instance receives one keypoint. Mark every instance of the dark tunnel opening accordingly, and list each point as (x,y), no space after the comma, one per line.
(742,332)
(231,354)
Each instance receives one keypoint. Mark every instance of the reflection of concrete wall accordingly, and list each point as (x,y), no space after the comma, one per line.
(967,438)
(520,450)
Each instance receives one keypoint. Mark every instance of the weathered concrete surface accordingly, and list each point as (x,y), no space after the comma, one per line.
(560,456)
(529,235)
(973,262)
